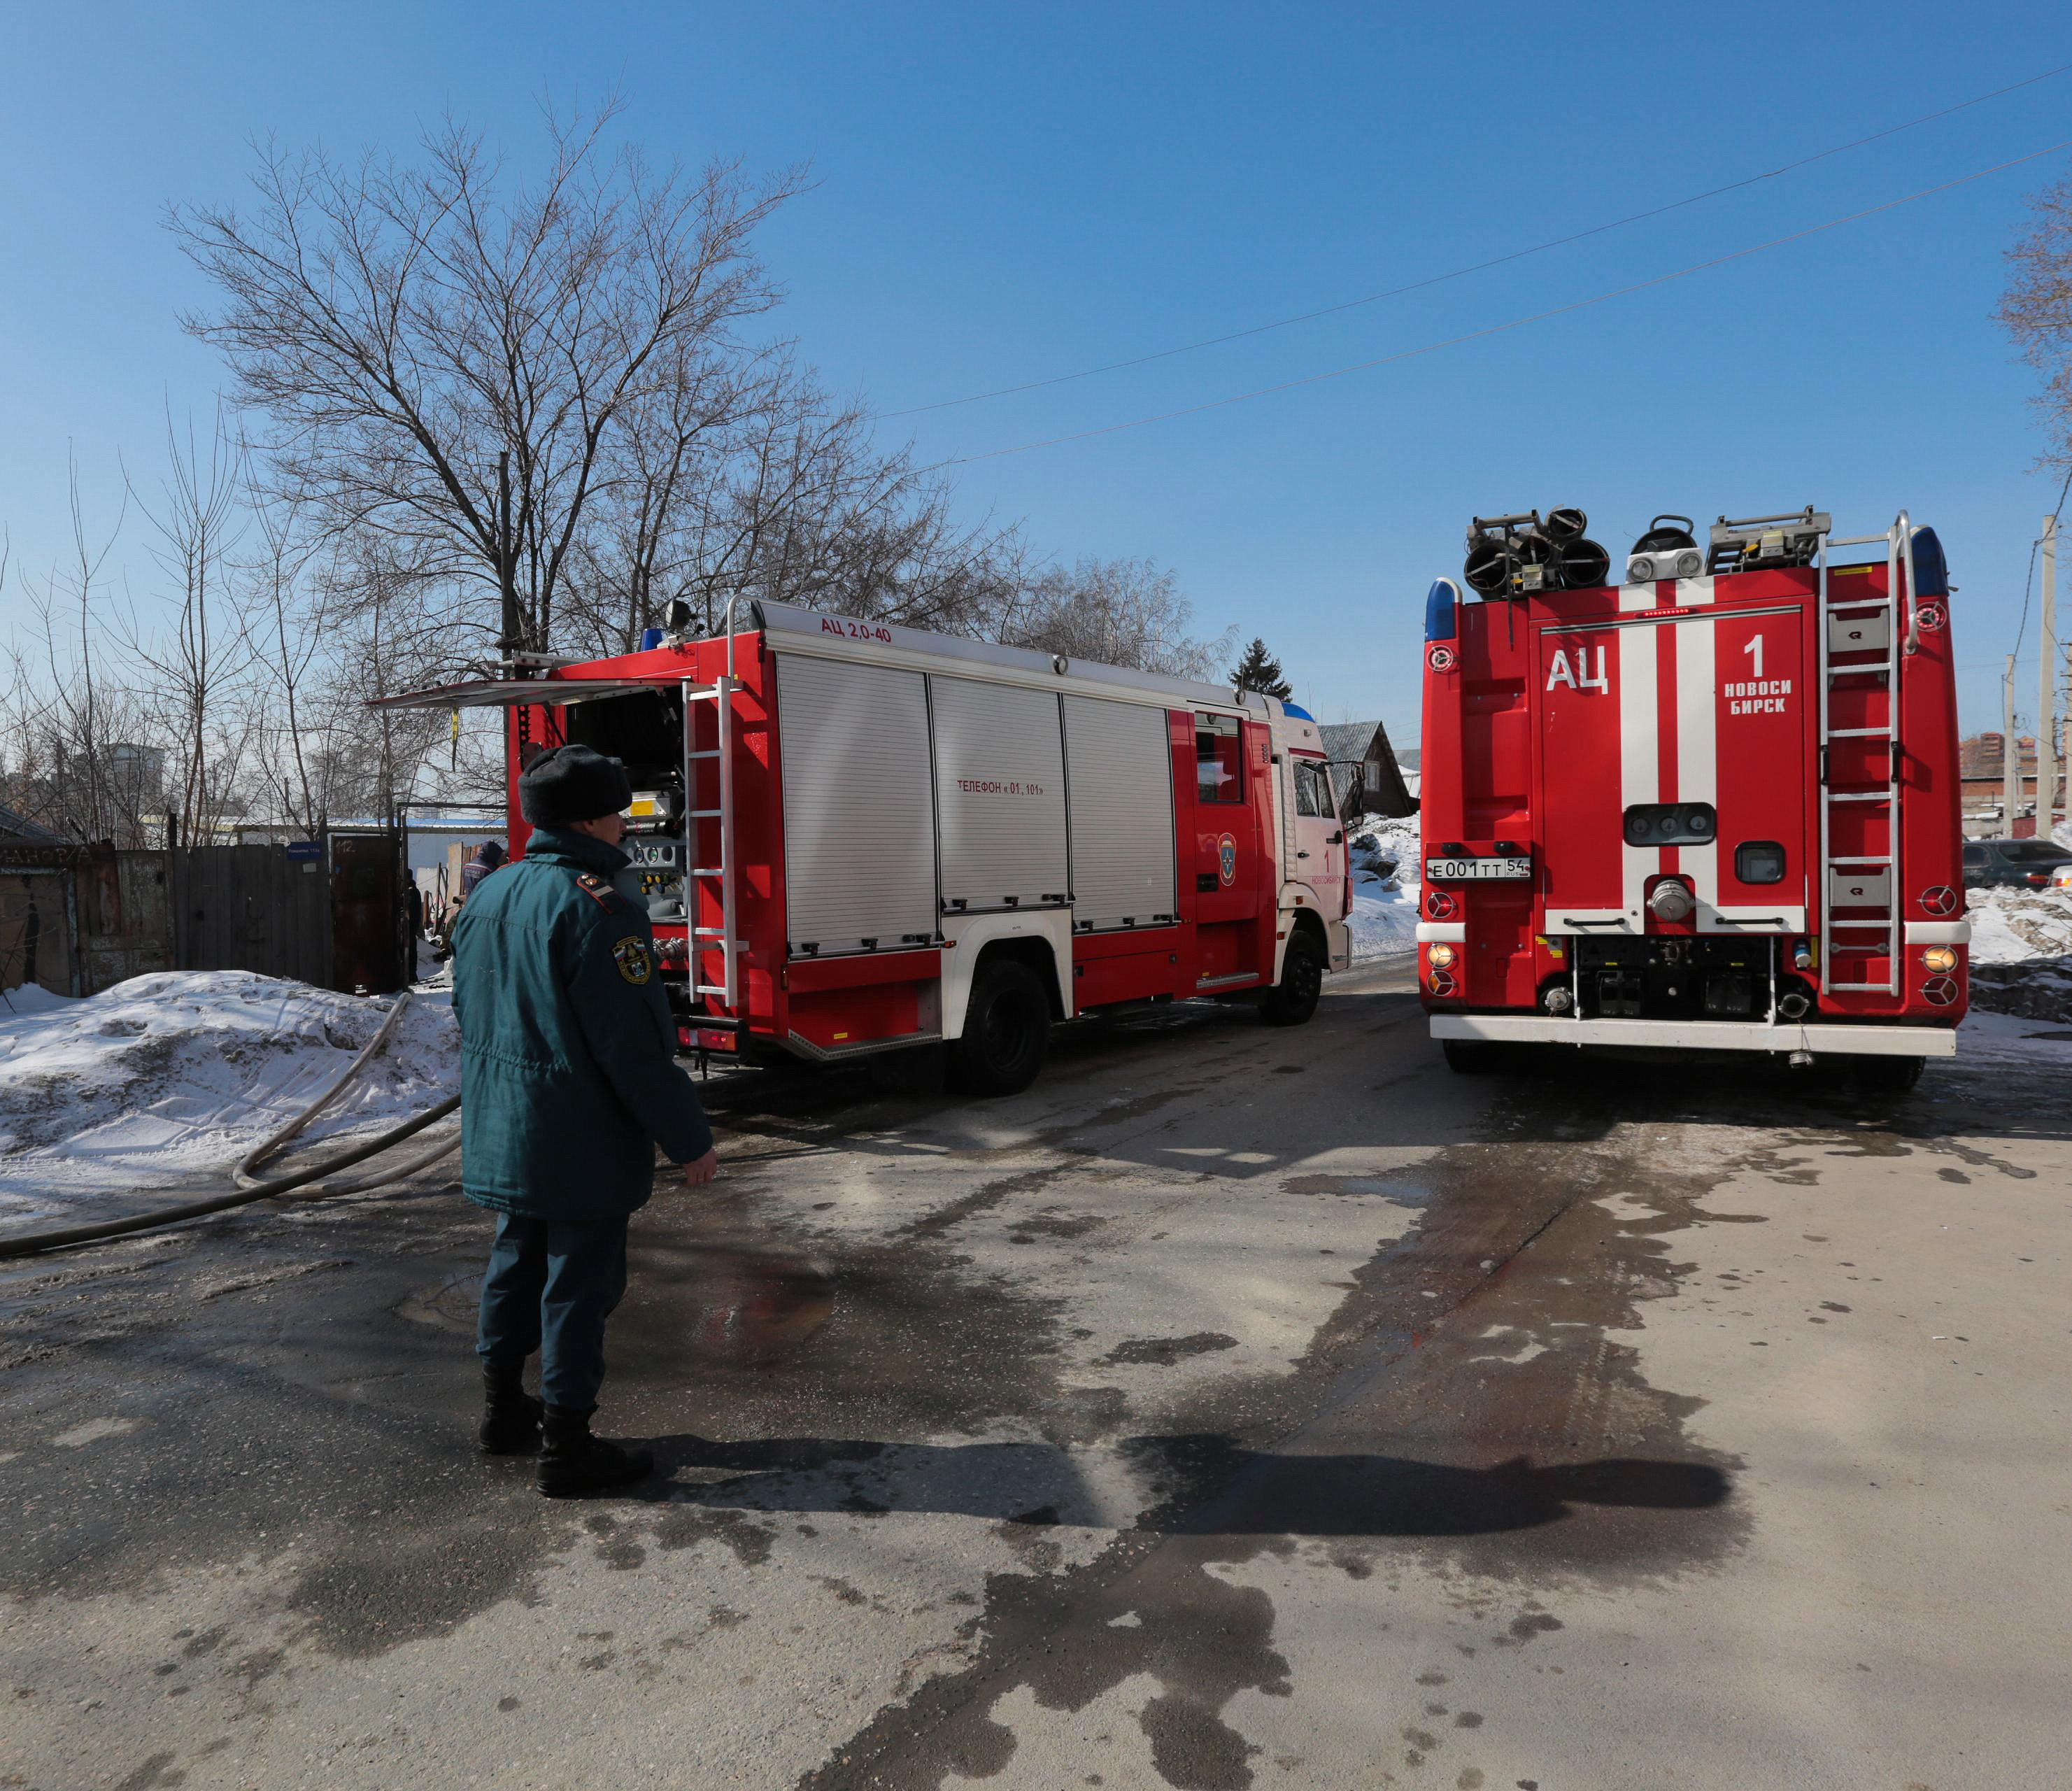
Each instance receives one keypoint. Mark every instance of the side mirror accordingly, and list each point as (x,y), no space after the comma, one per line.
(1352,773)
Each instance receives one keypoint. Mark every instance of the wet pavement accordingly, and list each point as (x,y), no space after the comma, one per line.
(1239,1407)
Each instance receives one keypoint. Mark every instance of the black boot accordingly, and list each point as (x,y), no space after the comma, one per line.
(574,1461)
(509,1414)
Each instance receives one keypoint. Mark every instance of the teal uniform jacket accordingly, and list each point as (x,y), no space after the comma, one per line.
(568,1076)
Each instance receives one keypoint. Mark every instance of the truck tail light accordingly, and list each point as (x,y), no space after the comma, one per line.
(1940,959)
(1440,957)
(1442,982)
(1942,991)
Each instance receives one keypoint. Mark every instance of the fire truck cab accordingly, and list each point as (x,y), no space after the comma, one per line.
(1712,806)
(855,837)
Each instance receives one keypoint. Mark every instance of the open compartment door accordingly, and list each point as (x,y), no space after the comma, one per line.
(511,692)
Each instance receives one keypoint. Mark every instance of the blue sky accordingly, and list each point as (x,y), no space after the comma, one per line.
(1005,194)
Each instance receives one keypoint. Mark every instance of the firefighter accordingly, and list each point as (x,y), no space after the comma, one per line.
(568,1080)
(486,858)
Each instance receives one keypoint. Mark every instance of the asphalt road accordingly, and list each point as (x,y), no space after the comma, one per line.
(1239,1407)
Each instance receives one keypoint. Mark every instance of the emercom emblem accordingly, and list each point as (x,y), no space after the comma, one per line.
(635,962)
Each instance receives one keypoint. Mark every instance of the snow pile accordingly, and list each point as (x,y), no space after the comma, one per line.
(1388,885)
(2001,1042)
(2021,951)
(29,998)
(166,1077)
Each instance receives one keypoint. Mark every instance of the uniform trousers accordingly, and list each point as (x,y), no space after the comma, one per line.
(550,1286)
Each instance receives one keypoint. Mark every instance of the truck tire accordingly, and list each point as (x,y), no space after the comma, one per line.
(1468,1056)
(1293,998)
(1886,1074)
(1007,1032)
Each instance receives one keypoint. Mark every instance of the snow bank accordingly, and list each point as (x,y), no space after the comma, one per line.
(31,998)
(1387,885)
(166,1077)
(2021,951)
(1986,1039)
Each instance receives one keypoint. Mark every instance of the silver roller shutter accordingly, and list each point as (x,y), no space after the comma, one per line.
(1122,763)
(1000,794)
(859,831)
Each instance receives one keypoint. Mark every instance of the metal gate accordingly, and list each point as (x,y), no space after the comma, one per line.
(370,930)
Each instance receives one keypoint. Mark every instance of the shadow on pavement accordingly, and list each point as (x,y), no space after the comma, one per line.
(1208,1486)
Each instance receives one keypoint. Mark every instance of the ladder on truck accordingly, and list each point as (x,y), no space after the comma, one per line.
(719,879)
(1837,659)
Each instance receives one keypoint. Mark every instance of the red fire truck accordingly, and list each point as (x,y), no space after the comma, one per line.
(856,838)
(1714,805)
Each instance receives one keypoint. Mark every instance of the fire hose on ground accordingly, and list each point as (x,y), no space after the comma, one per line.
(251,1188)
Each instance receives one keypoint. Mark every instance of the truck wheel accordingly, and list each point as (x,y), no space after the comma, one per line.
(1887,1075)
(1293,998)
(1468,1056)
(1007,1032)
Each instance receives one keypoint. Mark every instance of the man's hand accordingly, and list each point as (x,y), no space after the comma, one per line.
(696,1174)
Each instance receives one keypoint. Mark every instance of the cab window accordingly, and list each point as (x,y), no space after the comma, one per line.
(1305,790)
(1219,761)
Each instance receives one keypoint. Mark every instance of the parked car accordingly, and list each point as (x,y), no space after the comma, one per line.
(2014,863)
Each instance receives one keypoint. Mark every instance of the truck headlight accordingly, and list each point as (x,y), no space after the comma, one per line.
(1440,956)
(1941,959)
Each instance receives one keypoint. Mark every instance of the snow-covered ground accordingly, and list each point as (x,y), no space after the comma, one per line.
(1383,922)
(164,1077)
(2021,952)
(2011,925)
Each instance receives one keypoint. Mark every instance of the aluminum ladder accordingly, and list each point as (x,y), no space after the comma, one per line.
(720,877)
(1899,559)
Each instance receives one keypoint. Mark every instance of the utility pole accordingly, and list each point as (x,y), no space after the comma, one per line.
(2010,755)
(2046,707)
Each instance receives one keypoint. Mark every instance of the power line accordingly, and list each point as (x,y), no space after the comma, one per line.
(1478,267)
(1499,329)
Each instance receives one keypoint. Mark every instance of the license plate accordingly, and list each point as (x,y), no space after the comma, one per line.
(1462,870)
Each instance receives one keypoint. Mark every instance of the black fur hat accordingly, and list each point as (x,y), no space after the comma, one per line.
(571,782)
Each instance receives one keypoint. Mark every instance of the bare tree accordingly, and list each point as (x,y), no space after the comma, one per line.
(2037,308)
(288,611)
(666,469)
(195,672)
(761,487)
(447,355)
(74,727)
(1117,612)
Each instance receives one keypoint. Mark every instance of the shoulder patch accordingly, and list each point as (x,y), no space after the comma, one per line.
(598,889)
(635,962)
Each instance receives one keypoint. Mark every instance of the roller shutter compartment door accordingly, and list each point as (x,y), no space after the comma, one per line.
(1000,795)
(1122,763)
(859,834)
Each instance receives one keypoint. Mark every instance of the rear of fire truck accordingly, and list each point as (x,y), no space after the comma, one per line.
(1711,805)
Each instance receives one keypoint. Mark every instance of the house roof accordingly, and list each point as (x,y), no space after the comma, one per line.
(1347,740)
(1367,742)
(14,826)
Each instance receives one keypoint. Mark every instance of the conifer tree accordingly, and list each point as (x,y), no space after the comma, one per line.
(1259,670)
